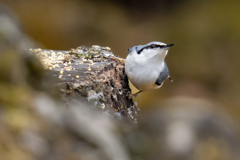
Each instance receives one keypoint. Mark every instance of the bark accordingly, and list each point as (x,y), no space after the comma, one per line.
(94,73)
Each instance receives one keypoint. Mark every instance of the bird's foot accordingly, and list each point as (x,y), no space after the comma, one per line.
(132,96)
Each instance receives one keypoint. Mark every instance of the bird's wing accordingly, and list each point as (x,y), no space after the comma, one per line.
(163,75)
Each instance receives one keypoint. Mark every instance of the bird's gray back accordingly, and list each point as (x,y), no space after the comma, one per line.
(163,74)
(139,47)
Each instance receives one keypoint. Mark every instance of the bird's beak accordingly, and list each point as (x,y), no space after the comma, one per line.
(167,46)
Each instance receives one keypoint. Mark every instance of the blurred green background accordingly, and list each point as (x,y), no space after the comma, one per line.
(203,63)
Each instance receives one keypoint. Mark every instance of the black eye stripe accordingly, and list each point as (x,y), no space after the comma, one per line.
(150,47)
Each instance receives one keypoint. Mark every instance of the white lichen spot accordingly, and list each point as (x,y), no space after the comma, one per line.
(93,96)
(120,92)
(96,47)
(106,48)
(102,105)
(129,111)
(76,85)
(53,54)
(114,97)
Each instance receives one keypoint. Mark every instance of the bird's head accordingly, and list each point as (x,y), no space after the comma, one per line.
(151,51)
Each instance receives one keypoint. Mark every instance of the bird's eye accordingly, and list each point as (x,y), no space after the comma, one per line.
(152,46)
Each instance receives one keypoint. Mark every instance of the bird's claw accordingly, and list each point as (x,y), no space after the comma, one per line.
(132,96)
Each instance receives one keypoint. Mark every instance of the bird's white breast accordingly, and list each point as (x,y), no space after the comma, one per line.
(143,75)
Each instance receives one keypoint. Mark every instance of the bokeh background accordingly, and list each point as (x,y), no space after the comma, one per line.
(203,63)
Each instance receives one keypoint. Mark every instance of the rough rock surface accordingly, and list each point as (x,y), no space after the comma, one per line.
(94,73)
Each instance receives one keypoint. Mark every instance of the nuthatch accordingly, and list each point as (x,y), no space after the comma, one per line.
(145,66)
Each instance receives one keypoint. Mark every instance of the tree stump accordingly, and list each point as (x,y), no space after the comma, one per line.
(94,73)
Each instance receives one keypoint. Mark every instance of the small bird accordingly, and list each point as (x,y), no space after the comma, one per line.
(145,66)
